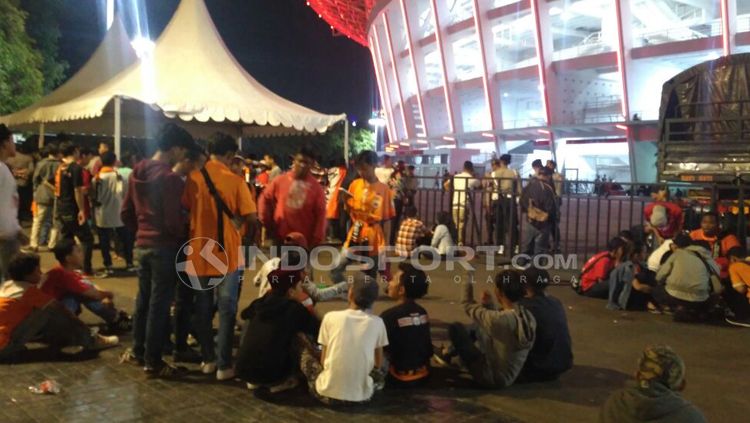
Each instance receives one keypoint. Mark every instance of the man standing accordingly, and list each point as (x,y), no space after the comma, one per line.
(505,210)
(70,214)
(44,195)
(557,183)
(152,209)
(463,183)
(11,235)
(219,203)
(96,163)
(273,169)
(22,166)
(538,202)
(108,192)
(295,202)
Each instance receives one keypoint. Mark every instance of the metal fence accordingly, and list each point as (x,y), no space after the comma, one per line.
(591,213)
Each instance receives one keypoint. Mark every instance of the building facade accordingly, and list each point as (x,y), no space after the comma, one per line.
(575,80)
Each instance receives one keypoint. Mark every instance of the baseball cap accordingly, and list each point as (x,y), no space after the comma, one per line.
(658,216)
(296,238)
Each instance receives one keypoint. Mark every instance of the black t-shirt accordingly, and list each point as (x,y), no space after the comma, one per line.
(266,353)
(552,353)
(71,177)
(409,342)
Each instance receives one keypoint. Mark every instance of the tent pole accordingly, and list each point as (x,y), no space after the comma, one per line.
(346,140)
(118,125)
(41,135)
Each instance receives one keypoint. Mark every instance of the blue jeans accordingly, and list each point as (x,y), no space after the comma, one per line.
(156,287)
(224,298)
(536,240)
(74,303)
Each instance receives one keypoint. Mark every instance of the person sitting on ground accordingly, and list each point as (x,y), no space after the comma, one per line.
(408,328)
(719,241)
(349,369)
(621,295)
(27,313)
(497,350)
(310,293)
(444,235)
(411,233)
(268,353)
(645,280)
(552,352)
(738,297)
(664,219)
(594,279)
(654,397)
(65,283)
(684,279)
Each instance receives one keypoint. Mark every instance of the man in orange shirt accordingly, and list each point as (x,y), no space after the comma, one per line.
(219,202)
(719,241)
(295,202)
(370,203)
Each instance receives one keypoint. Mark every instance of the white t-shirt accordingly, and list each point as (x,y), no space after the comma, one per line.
(442,240)
(9,226)
(350,337)
(462,184)
(383,174)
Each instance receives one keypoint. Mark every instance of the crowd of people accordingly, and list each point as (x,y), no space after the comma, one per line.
(167,206)
(697,276)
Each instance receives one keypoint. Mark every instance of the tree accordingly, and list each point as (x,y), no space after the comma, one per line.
(328,146)
(21,80)
(45,31)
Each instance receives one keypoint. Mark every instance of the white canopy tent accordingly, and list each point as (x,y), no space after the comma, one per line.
(190,75)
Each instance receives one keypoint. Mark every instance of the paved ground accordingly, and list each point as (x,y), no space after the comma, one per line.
(606,347)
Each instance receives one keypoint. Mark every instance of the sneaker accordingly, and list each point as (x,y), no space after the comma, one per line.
(745,323)
(166,371)
(102,342)
(128,357)
(187,356)
(444,355)
(252,387)
(286,385)
(123,323)
(208,368)
(226,374)
(501,250)
(131,268)
(191,341)
(109,271)
(30,249)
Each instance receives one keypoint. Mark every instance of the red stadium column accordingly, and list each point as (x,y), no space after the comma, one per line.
(441,50)
(728,25)
(407,28)
(624,47)
(407,134)
(486,81)
(383,85)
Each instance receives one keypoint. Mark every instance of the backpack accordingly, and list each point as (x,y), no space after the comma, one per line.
(576,283)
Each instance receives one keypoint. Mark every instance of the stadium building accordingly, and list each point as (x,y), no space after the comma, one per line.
(576,80)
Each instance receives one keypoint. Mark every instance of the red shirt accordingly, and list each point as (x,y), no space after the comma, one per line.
(17,301)
(294,205)
(596,269)
(60,282)
(674,218)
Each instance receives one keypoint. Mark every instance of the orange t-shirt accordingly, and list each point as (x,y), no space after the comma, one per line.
(204,220)
(17,301)
(371,204)
(719,254)
(739,274)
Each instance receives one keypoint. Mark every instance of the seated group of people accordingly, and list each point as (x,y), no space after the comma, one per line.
(693,275)
(44,307)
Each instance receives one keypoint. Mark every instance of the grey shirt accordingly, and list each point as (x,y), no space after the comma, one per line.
(44,194)
(109,193)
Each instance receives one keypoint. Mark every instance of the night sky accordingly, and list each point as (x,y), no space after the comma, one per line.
(282,43)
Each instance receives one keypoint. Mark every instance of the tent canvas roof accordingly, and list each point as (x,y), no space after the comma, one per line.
(190,75)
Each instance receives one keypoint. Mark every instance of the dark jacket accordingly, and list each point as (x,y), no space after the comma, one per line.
(268,351)
(542,195)
(552,353)
(654,404)
(152,205)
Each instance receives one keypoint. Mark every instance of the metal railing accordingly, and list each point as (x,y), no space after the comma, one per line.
(591,212)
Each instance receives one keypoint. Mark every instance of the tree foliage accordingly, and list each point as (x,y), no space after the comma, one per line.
(43,27)
(21,81)
(329,146)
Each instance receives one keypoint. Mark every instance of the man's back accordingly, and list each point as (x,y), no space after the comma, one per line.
(108,191)
(552,351)
(350,338)
(410,343)
(686,275)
